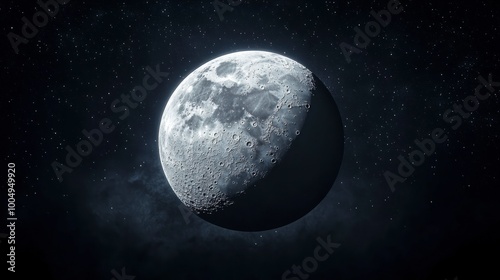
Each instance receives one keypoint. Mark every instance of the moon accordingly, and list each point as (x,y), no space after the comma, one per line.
(251,141)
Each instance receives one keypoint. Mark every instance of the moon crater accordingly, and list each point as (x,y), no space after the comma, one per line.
(231,124)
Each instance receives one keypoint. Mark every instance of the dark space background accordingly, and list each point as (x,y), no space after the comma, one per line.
(116,209)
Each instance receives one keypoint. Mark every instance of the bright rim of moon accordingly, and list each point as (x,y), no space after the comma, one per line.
(229,122)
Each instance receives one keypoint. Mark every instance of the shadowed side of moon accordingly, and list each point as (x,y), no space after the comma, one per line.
(300,181)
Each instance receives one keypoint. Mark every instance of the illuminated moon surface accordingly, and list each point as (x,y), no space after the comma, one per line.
(251,141)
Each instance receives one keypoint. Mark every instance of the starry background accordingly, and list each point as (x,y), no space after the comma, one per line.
(116,209)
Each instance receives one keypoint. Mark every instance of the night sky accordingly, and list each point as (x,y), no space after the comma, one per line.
(116,210)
